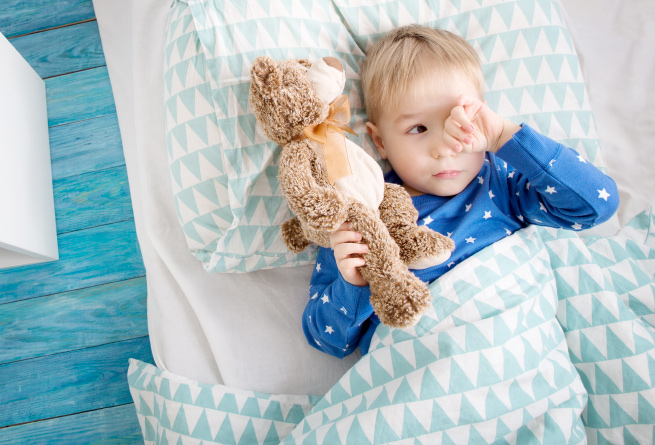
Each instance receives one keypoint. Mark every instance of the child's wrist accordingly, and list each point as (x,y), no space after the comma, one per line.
(509,129)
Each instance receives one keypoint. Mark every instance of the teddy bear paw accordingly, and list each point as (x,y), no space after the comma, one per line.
(401,303)
(429,261)
(425,248)
(324,209)
(293,236)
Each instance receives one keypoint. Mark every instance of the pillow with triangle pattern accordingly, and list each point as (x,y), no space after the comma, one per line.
(223,168)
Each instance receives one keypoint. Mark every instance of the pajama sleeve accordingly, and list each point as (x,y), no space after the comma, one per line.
(337,312)
(552,185)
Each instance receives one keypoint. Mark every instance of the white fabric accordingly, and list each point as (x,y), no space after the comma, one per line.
(366,184)
(326,81)
(244,330)
(614,40)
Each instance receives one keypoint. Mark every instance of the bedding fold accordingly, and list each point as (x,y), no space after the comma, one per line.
(543,336)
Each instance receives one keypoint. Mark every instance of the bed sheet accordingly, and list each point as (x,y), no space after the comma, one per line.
(613,39)
(243,330)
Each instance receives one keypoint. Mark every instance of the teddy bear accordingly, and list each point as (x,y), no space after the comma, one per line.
(327,179)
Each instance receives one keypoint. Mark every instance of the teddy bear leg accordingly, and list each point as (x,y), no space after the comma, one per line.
(420,246)
(293,236)
(398,297)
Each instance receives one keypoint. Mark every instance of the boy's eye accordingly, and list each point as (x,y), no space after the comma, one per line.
(418,129)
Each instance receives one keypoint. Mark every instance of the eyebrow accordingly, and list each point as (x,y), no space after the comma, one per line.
(404,117)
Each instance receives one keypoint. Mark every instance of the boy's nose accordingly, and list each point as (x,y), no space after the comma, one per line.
(440,150)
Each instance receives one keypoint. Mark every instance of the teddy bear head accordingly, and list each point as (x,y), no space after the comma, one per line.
(289,95)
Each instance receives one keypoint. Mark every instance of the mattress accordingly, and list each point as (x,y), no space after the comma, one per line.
(243,330)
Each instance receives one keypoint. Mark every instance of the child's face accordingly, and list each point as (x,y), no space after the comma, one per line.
(410,137)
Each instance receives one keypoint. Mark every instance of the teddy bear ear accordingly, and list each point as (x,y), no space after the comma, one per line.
(265,74)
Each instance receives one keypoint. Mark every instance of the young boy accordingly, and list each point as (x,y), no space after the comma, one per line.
(472,174)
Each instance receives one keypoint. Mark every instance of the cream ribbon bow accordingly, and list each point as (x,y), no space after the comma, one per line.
(329,134)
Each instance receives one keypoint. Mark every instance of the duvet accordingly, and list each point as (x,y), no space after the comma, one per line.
(543,337)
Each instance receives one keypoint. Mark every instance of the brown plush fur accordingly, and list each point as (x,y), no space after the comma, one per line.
(284,104)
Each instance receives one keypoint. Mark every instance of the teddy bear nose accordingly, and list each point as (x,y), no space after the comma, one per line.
(333,62)
(327,78)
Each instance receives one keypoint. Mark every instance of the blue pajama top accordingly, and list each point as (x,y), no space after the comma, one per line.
(530,180)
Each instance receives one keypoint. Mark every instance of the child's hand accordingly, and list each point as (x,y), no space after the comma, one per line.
(472,127)
(345,244)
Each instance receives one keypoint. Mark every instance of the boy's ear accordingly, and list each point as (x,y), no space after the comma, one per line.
(374,133)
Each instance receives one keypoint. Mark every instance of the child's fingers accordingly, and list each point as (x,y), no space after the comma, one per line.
(345,226)
(453,143)
(347,250)
(457,132)
(344,236)
(350,273)
(352,263)
(470,104)
(459,117)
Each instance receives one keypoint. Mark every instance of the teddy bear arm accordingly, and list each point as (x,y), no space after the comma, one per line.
(293,236)
(420,246)
(398,297)
(319,207)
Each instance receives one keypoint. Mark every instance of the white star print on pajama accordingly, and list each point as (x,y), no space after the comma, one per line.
(530,180)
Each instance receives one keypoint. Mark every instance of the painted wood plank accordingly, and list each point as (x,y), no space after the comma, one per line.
(69,383)
(62,50)
(78,96)
(19,17)
(85,146)
(117,425)
(92,199)
(86,258)
(73,320)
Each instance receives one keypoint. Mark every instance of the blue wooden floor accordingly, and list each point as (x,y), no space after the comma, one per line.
(67,328)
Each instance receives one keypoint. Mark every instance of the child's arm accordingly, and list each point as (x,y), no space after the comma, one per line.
(552,185)
(336,315)
(549,183)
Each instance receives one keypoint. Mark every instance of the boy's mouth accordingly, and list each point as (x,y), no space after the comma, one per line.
(448,174)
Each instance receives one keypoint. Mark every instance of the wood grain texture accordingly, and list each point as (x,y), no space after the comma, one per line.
(85,146)
(78,96)
(73,320)
(75,48)
(77,199)
(69,383)
(117,425)
(87,258)
(68,327)
(18,17)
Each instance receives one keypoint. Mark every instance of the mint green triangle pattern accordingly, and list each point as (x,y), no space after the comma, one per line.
(608,317)
(531,74)
(223,169)
(523,382)
(527,370)
(171,408)
(456,376)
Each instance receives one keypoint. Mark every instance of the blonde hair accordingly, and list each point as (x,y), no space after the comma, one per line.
(409,53)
